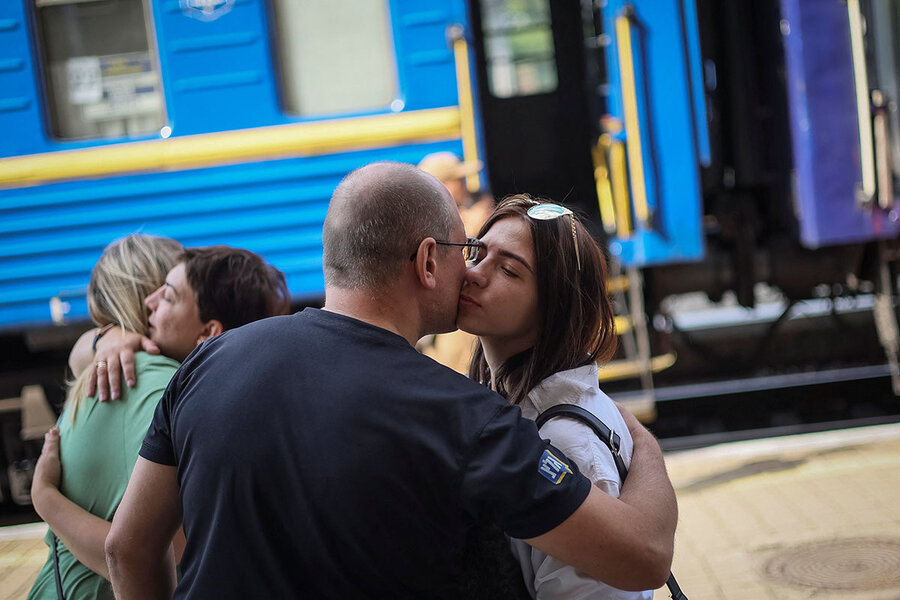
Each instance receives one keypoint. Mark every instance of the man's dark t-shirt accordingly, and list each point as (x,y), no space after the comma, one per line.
(321,456)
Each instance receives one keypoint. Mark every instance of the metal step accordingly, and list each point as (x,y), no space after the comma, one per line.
(625,369)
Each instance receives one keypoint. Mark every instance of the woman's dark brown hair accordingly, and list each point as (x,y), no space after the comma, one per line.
(575,315)
(234,286)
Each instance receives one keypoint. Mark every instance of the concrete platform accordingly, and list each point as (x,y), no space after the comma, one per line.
(22,554)
(806,516)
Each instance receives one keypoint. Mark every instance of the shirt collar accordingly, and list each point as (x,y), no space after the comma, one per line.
(564,387)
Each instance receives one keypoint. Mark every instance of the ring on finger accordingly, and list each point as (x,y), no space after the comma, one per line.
(101,363)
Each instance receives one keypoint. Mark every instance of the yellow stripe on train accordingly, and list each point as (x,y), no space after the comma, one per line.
(246,145)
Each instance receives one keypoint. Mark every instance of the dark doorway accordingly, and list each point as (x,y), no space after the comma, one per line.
(530,70)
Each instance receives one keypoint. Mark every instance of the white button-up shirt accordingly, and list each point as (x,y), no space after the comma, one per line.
(545,576)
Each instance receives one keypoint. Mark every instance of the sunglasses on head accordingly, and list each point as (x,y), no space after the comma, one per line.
(547,211)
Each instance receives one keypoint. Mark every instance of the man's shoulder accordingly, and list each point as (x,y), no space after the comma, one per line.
(257,334)
(411,379)
(445,378)
(324,324)
(270,325)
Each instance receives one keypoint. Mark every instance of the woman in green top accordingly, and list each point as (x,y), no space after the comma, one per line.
(99,443)
(191,295)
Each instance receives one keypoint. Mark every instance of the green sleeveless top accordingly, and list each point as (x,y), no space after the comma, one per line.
(98,452)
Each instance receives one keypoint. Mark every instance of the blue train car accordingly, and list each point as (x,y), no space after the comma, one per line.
(211,122)
(230,121)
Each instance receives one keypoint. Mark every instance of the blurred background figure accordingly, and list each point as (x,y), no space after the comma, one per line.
(447,168)
(452,172)
(455,349)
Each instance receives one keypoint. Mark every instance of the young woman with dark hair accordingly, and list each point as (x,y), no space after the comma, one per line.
(536,298)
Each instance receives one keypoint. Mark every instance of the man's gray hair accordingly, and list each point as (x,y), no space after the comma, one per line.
(377,217)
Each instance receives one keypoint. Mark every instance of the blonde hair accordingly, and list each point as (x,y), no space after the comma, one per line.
(129,270)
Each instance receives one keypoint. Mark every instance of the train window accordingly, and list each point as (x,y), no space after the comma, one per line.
(101,71)
(337,56)
(518,45)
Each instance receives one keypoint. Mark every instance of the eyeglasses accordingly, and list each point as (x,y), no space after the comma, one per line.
(545,211)
(470,248)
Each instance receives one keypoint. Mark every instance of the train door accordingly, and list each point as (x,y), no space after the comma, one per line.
(842,86)
(600,105)
(534,109)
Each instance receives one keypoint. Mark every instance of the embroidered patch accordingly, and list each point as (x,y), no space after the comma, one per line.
(552,468)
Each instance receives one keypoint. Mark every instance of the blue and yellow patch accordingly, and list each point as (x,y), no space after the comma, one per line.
(552,468)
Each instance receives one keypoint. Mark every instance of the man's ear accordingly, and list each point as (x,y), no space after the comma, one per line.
(211,328)
(425,263)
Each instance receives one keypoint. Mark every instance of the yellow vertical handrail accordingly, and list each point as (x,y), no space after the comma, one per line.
(618,171)
(632,121)
(600,153)
(466,102)
(863,110)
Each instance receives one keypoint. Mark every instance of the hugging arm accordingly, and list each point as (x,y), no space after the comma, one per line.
(116,351)
(138,548)
(626,542)
(82,532)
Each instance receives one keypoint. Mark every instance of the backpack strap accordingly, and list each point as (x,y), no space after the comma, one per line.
(613,442)
(606,435)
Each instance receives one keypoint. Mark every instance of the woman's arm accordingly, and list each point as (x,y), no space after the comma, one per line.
(83,533)
(81,355)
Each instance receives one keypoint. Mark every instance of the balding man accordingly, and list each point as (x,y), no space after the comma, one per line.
(319,455)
